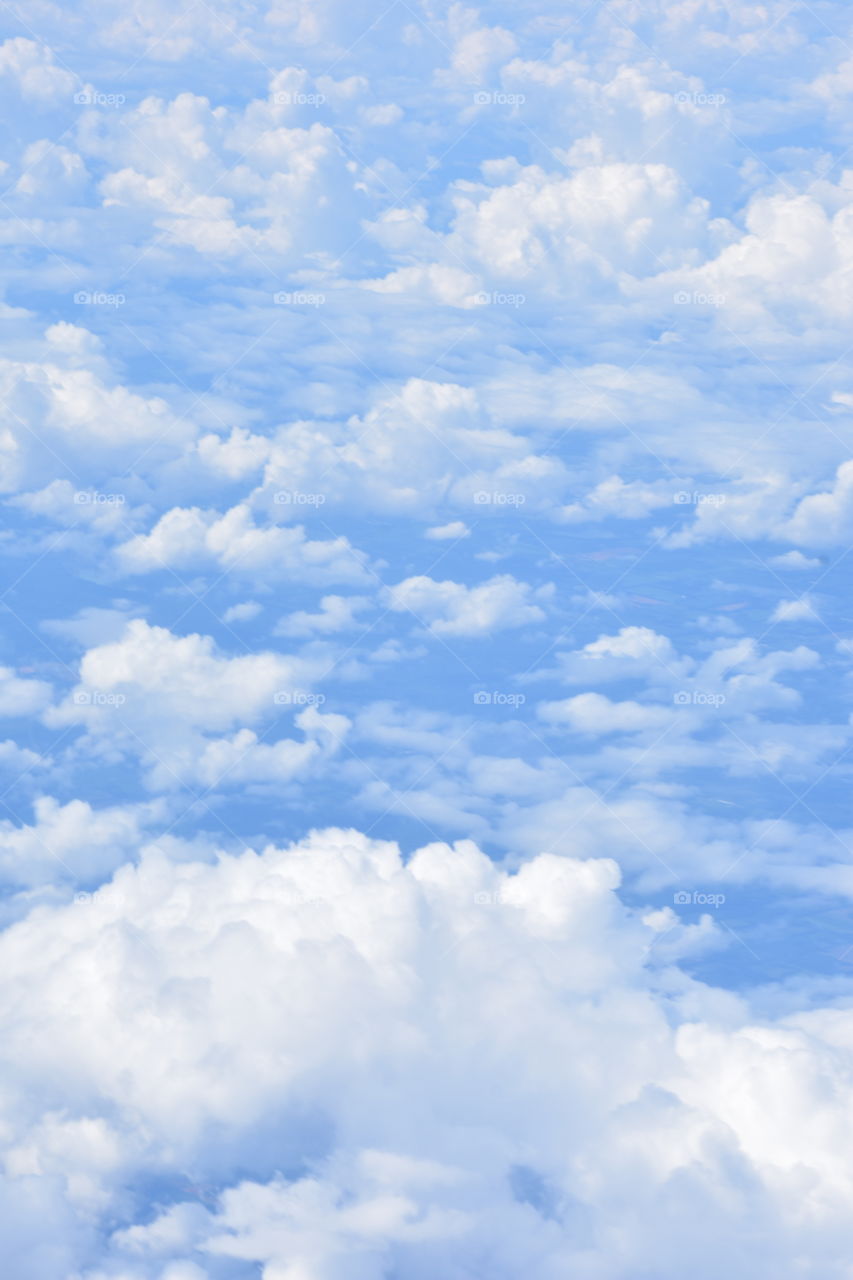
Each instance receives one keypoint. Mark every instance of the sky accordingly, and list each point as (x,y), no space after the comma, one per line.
(427,650)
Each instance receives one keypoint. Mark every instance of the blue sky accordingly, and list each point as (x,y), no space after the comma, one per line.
(427,484)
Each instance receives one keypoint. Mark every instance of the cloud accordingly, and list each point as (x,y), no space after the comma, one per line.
(71,843)
(447,532)
(62,418)
(336,613)
(188,537)
(794,611)
(312,980)
(414,450)
(22,697)
(452,609)
(186,712)
(243,612)
(795,560)
(32,65)
(595,714)
(311,311)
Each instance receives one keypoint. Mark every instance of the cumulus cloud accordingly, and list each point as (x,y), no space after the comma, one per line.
(415,449)
(336,613)
(256,1010)
(310,310)
(22,696)
(185,710)
(452,609)
(593,713)
(794,611)
(189,537)
(33,68)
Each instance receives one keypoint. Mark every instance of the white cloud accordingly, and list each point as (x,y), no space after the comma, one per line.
(189,537)
(336,613)
(824,519)
(414,451)
(453,609)
(447,532)
(22,697)
(593,713)
(62,418)
(71,843)
(33,67)
(800,610)
(795,560)
(243,612)
(336,983)
(187,712)
(551,284)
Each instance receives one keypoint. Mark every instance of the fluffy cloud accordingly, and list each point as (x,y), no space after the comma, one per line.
(336,613)
(413,450)
(21,697)
(593,713)
(185,538)
(311,311)
(252,1011)
(33,68)
(185,711)
(62,419)
(71,843)
(452,609)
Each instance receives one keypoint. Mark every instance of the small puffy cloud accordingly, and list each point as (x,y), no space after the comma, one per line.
(21,696)
(637,652)
(186,711)
(801,610)
(176,677)
(447,532)
(592,713)
(447,285)
(795,560)
(33,68)
(244,612)
(627,500)
(336,613)
(824,519)
(62,418)
(548,231)
(453,609)
(476,50)
(189,537)
(413,452)
(71,842)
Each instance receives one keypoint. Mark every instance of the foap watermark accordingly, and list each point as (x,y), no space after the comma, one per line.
(98,698)
(298,299)
(497,898)
(94,98)
(298,698)
(499,699)
(295,98)
(497,98)
(84,498)
(296,498)
(698,898)
(83,298)
(484,499)
(496,299)
(701,99)
(698,698)
(698,299)
(695,499)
